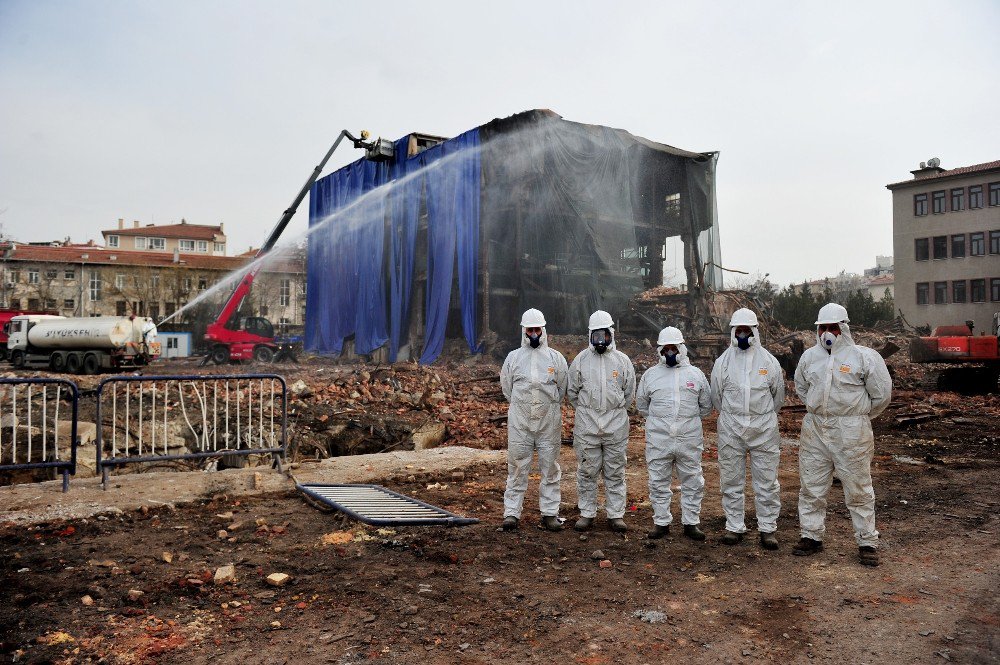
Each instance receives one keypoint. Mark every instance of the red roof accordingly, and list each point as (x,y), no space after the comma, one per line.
(105,256)
(185,231)
(884,280)
(962,170)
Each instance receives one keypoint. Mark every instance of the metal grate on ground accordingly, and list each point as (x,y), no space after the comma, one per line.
(378,506)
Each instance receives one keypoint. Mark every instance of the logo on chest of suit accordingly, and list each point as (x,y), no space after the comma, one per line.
(552,370)
(614,374)
(690,384)
(845,368)
(762,371)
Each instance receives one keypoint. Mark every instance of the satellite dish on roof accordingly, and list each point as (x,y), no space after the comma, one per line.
(934,162)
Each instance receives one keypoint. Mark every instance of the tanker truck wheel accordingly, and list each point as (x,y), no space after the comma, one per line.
(17,359)
(57,362)
(220,354)
(91,364)
(73,363)
(263,354)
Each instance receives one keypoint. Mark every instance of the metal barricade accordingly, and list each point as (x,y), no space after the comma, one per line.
(34,421)
(144,419)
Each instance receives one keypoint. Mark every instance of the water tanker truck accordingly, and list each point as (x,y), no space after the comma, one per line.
(81,345)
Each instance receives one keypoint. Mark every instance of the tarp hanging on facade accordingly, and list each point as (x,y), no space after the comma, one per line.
(348,272)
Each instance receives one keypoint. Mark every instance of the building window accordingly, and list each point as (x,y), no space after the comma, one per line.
(958,199)
(69,275)
(154,281)
(95,286)
(220,247)
(32,277)
(140,243)
(33,304)
(69,303)
(121,307)
(922,288)
(186,245)
(120,281)
(937,202)
(920,205)
(154,311)
(202,283)
(994,242)
(940,293)
(51,274)
(976,196)
(977,289)
(940,247)
(186,284)
(202,245)
(958,246)
(958,290)
(921,249)
(112,241)
(50,303)
(172,342)
(158,243)
(169,308)
(285,293)
(15,275)
(995,289)
(977,244)
(15,303)
(995,193)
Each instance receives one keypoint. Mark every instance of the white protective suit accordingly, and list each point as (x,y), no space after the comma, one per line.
(534,382)
(601,387)
(673,401)
(843,390)
(748,388)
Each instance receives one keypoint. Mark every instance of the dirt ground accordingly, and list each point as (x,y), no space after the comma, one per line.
(137,586)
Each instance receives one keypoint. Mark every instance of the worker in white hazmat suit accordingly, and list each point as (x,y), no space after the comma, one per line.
(533,379)
(674,396)
(748,389)
(843,386)
(601,387)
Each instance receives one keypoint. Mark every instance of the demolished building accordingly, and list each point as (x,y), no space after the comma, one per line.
(455,238)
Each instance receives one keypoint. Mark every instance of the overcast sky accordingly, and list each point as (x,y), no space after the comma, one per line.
(217,111)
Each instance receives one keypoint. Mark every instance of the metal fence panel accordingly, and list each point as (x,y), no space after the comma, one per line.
(143,419)
(36,416)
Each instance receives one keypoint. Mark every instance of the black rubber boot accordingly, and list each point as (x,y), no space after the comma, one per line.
(732,538)
(509,523)
(807,547)
(551,523)
(693,532)
(617,525)
(584,524)
(658,532)
(769,541)
(868,556)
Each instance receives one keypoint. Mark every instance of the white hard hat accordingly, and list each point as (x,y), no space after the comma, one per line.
(532,319)
(832,313)
(600,319)
(670,335)
(743,317)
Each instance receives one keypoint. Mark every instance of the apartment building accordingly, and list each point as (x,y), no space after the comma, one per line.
(946,240)
(89,280)
(168,238)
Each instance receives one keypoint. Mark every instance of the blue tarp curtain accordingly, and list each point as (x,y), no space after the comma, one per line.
(347,272)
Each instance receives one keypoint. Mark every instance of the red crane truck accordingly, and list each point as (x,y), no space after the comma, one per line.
(230,338)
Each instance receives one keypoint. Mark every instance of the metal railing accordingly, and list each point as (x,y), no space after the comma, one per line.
(149,419)
(34,420)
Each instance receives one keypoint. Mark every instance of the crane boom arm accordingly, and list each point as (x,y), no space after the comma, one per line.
(242,289)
